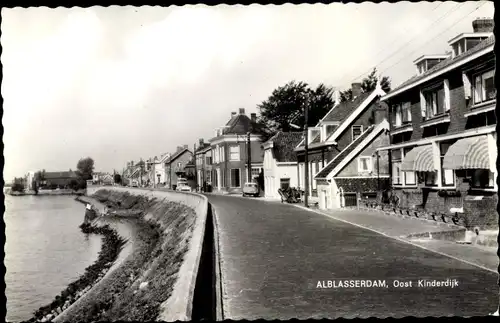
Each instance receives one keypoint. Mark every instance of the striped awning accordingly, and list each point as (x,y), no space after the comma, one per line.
(468,153)
(418,159)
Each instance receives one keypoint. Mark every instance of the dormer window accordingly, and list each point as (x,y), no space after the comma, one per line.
(426,62)
(401,114)
(464,42)
(313,133)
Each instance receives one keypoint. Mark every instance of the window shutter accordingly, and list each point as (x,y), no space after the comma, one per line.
(446,95)
(467,86)
(422,104)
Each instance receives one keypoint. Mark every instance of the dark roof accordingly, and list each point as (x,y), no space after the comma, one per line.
(176,155)
(241,124)
(56,175)
(343,154)
(341,112)
(344,109)
(284,144)
(485,43)
(205,145)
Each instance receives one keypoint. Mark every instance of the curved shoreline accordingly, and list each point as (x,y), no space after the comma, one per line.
(110,250)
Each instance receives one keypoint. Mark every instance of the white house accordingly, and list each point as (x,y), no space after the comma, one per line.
(280,162)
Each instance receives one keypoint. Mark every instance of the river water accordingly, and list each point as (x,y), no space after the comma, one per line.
(44,250)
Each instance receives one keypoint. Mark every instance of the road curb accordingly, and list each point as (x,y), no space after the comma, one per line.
(219,287)
(404,240)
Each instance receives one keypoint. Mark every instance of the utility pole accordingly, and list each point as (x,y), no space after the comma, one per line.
(195,169)
(306,157)
(249,158)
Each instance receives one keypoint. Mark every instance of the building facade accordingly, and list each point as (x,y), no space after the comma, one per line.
(443,138)
(337,131)
(175,165)
(229,152)
(203,156)
(280,162)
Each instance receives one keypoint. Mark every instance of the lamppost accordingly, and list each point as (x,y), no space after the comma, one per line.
(306,151)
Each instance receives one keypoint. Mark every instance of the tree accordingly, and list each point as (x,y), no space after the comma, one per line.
(368,84)
(18,185)
(85,168)
(118,178)
(286,106)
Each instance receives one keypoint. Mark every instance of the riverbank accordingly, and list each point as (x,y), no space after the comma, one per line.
(46,192)
(143,280)
(111,247)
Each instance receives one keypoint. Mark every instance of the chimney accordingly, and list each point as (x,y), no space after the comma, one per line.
(483,25)
(242,111)
(253,117)
(356,90)
(179,148)
(132,163)
(233,114)
(201,142)
(185,147)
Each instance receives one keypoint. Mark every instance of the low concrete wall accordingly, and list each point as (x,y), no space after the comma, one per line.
(179,306)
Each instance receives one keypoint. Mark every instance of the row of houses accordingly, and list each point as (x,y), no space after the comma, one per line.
(163,170)
(431,141)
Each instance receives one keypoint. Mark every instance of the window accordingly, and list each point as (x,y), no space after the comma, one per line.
(365,164)
(409,175)
(481,178)
(208,160)
(356,131)
(410,178)
(396,116)
(255,172)
(396,167)
(284,183)
(235,177)
(222,156)
(234,152)
(330,129)
(484,87)
(406,111)
(396,173)
(179,165)
(447,175)
(434,102)
(209,177)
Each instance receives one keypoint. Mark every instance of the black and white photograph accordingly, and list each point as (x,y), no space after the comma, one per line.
(229,162)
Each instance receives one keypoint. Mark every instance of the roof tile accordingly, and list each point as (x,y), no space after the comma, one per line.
(284,144)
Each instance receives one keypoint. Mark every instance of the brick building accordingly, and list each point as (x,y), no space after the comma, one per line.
(175,165)
(443,139)
(203,156)
(229,153)
(345,126)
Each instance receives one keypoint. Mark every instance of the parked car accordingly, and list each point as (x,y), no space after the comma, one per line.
(183,187)
(134,184)
(251,189)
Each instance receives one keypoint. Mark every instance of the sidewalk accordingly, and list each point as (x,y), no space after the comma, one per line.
(404,229)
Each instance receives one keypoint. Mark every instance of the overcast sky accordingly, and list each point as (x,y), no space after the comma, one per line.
(120,83)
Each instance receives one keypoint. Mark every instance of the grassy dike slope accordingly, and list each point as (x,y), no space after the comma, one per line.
(156,282)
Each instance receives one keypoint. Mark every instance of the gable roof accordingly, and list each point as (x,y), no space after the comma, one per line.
(346,155)
(345,113)
(56,175)
(284,144)
(439,68)
(241,124)
(176,155)
(200,148)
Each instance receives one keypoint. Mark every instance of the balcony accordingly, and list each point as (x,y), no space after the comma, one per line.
(482,107)
(435,120)
(406,127)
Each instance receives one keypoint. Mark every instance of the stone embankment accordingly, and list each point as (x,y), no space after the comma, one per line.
(156,280)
